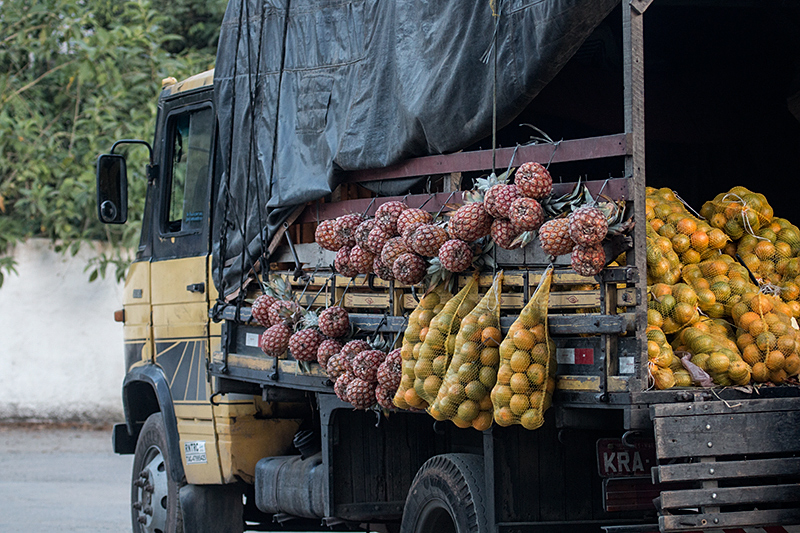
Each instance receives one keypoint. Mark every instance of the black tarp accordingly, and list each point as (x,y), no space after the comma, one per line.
(356,84)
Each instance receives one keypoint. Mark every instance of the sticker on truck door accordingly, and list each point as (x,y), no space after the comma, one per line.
(195,452)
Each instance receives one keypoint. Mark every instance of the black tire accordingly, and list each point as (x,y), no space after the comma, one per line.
(447,496)
(155,505)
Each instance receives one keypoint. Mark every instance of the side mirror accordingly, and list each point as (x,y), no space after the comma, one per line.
(112,189)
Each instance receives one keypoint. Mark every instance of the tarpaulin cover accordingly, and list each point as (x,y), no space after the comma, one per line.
(307,88)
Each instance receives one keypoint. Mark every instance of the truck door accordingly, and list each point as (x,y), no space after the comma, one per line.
(180,279)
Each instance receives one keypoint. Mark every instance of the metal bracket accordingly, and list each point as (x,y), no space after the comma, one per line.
(640,6)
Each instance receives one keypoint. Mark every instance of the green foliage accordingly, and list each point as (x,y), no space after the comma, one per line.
(74,77)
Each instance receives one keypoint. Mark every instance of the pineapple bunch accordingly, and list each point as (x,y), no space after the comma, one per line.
(395,244)
(278,313)
(364,375)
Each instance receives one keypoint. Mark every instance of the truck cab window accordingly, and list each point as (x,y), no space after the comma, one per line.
(191,136)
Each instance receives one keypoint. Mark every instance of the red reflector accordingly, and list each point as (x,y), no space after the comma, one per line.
(119,315)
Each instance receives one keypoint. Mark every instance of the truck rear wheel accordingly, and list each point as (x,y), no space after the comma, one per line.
(447,496)
(154,494)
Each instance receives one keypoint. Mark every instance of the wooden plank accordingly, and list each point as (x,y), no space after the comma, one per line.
(358,300)
(317,212)
(773,494)
(725,408)
(712,521)
(732,434)
(788,466)
(570,150)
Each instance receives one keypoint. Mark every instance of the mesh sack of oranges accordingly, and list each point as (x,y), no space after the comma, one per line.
(737,212)
(711,343)
(464,395)
(418,327)
(661,359)
(719,283)
(663,264)
(672,307)
(526,377)
(440,342)
(767,338)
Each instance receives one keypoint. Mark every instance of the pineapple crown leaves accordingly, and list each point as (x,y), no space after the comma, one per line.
(278,287)
(307,320)
(485,183)
(525,238)
(566,203)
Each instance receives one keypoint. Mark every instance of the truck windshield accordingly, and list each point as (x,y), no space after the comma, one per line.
(191,152)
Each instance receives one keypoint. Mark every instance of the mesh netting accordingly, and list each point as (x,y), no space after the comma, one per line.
(440,342)
(472,372)
(526,377)
(418,328)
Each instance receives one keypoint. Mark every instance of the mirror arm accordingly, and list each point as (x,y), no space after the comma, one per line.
(152,168)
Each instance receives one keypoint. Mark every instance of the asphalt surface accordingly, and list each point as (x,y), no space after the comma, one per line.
(64,479)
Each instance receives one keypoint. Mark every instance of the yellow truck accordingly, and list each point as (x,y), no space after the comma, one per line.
(317,110)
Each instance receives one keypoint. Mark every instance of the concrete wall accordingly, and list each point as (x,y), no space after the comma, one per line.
(61,353)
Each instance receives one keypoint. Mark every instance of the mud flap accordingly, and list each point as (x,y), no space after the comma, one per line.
(212,508)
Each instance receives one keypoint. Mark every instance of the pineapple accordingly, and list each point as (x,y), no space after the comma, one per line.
(387,214)
(455,255)
(470,222)
(345,227)
(361,260)
(385,396)
(587,225)
(390,371)
(353,348)
(409,268)
(334,322)
(427,239)
(327,349)
(326,236)
(394,248)
(365,364)
(554,237)
(381,270)
(342,262)
(411,216)
(275,340)
(340,386)
(304,344)
(533,180)
(376,240)
(361,393)
(282,311)
(260,308)
(588,260)
(336,366)
(498,199)
(362,233)
(526,214)
(409,231)
(504,233)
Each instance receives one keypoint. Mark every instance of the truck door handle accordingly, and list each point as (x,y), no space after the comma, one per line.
(196,287)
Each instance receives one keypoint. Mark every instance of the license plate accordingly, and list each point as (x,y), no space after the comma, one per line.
(615,459)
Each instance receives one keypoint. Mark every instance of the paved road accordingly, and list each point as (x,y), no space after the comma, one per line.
(62,479)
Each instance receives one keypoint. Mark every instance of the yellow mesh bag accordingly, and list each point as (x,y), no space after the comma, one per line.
(464,394)
(767,337)
(738,212)
(660,359)
(526,377)
(711,343)
(418,326)
(672,307)
(440,341)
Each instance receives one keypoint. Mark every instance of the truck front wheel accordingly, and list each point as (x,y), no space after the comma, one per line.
(154,495)
(447,496)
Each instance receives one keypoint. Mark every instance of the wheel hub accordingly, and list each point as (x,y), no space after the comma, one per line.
(151,493)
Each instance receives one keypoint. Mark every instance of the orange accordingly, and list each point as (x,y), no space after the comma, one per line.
(539,332)
(504,416)
(536,374)
(738,370)
(764,250)
(686,225)
(790,291)
(486,320)
(519,383)
(470,332)
(747,318)
(775,360)
(653,349)
(519,404)
(766,341)
(491,337)
(431,386)
(751,354)
(422,334)
(483,421)
(654,318)
(660,289)
(461,423)
(681,242)
(718,362)
(786,344)
(520,361)
(792,364)
(504,374)
(456,393)
(423,368)
(524,339)
(540,354)
(699,240)
(761,303)
(470,351)
(760,372)
(691,256)
(488,376)
(501,395)
(490,356)
(486,403)
(778,376)
(468,410)
(717,238)
(684,312)
(531,419)
(413,399)
(475,390)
